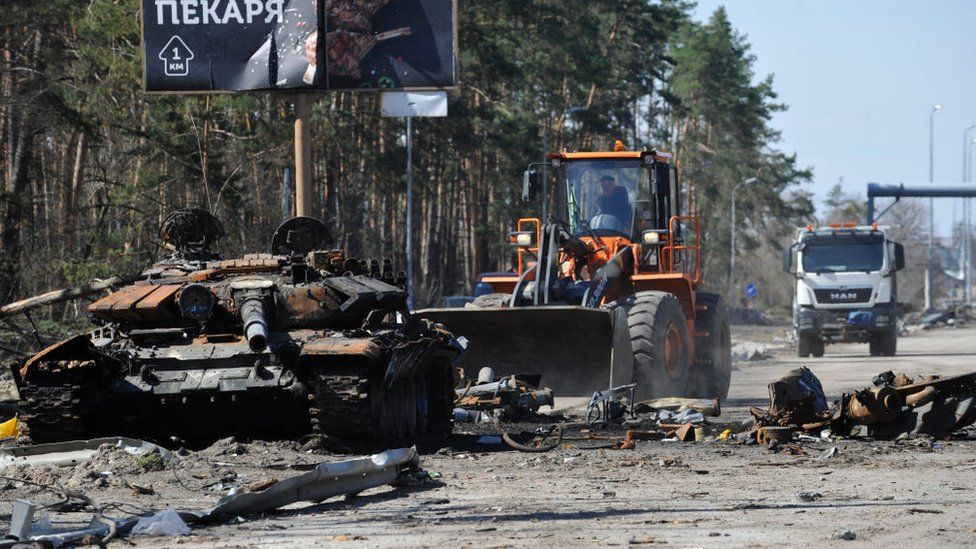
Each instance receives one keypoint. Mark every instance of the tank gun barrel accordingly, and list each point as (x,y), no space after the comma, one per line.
(255,323)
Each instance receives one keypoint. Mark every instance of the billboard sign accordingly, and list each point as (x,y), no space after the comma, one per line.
(240,45)
(414,104)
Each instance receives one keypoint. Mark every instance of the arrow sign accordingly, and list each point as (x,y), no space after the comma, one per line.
(176,57)
(752,291)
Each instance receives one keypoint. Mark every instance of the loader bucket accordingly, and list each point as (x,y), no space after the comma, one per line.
(570,347)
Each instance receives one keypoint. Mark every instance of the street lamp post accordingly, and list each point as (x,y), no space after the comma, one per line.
(967,217)
(929,267)
(732,257)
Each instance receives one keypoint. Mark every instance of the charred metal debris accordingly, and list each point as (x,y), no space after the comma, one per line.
(895,406)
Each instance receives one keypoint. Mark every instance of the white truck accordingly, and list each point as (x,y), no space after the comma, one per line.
(846,289)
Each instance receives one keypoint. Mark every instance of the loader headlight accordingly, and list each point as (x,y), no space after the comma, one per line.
(523,239)
(651,238)
(197,302)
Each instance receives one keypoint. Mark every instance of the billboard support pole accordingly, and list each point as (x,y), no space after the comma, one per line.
(410,213)
(303,157)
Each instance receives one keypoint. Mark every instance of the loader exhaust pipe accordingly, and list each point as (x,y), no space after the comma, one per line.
(255,323)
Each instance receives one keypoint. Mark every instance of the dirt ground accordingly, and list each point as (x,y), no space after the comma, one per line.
(913,492)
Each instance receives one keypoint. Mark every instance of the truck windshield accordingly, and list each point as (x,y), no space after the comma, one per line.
(601,193)
(843,255)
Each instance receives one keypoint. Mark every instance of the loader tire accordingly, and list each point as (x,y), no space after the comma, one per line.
(659,340)
(712,373)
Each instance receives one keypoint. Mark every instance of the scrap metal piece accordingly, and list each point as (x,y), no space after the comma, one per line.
(542,439)
(325,481)
(100,530)
(511,395)
(70,453)
(20,519)
(685,432)
(607,404)
(920,398)
(768,435)
(875,405)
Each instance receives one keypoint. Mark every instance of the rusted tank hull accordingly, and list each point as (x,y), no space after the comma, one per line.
(196,391)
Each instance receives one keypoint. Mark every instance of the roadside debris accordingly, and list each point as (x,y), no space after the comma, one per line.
(749,351)
(896,406)
(510,398)
(705,406)
(326,480)
(611,404)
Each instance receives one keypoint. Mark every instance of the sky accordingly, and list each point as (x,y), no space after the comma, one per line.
(860,78)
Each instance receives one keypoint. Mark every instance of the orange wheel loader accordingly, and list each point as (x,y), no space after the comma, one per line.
(607,296)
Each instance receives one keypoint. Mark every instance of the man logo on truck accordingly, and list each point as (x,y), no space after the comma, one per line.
(843,297)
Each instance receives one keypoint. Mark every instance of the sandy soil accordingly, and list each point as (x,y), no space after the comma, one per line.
(711,494)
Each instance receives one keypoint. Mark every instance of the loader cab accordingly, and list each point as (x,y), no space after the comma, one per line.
(621,194)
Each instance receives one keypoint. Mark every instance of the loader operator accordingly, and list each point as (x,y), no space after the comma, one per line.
(614,201)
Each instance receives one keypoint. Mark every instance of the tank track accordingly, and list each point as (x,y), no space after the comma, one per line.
(340,406)
(51,413)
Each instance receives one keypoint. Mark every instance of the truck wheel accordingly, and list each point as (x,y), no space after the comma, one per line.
(876,345)
(712,373)
(659,340)
(817,347)
(802,346)
(889,343)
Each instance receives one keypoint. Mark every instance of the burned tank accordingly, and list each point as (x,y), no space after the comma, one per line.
(302,340)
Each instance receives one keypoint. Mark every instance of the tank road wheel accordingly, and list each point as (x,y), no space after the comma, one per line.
(357,407)
(712,373)
(659,340)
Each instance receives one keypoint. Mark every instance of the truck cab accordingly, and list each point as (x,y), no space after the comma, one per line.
(846,287)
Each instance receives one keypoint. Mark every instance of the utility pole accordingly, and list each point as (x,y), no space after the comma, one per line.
(929,290)
(731,294)
(303,157)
